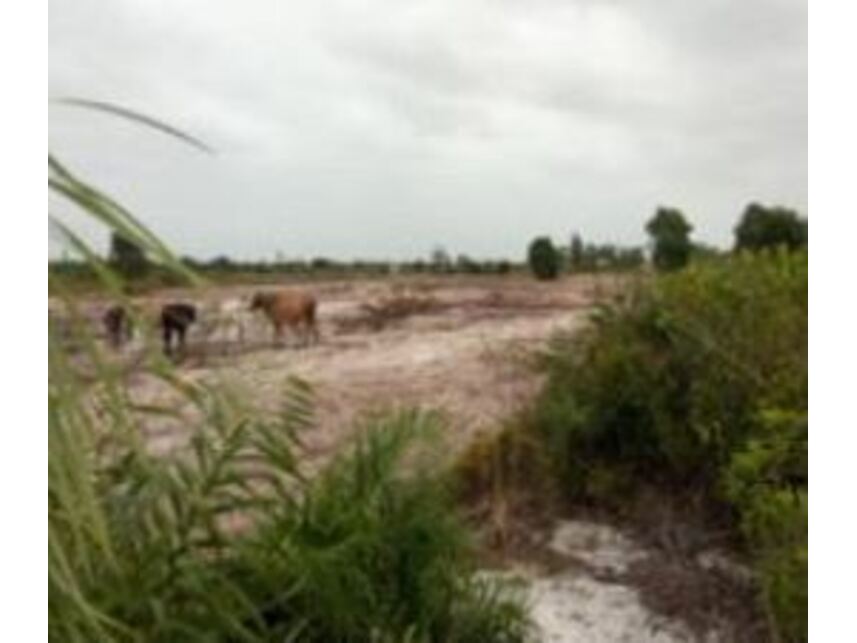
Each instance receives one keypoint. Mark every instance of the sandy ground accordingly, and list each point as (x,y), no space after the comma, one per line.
(464,355)
(591,598)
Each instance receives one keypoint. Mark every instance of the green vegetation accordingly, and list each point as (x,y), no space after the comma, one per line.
(576,253)
(543,258)
(226,538)
(79,276)
(761,227)
(127,258)
(696,382)
(670,233)
(593,257)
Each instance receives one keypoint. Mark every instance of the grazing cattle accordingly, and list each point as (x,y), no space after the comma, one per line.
(225,321)
(176,318)
(293,308)
(118,325)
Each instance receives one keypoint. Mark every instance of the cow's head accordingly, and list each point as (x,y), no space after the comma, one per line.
(260,301)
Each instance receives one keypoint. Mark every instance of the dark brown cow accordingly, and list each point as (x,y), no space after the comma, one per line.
(176,318)
(118,324)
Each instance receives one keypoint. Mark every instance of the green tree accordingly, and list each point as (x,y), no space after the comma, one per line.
(670,233)
(764,227)
(440,260)
(576,252)
(222,263)
(127,257)
(543,258)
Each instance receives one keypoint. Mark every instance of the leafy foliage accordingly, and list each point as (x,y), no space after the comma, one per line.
(543,258)
(127,257)
(227,540)
(670,233)
(763,227)
(767,481)
(575,256)
(373,551)
(698,380)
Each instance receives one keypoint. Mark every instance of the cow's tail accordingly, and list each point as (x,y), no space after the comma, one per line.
(311,321)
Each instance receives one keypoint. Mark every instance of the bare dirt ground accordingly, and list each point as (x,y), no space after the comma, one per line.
(456,345)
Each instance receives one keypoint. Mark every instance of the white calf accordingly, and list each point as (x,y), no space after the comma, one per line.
(226,321)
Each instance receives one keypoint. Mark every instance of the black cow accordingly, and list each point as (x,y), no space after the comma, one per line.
(118,324)
(175,320)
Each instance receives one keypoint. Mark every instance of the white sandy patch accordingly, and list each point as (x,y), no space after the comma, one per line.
(574,608)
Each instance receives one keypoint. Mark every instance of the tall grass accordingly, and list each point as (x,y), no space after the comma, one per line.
(227,539)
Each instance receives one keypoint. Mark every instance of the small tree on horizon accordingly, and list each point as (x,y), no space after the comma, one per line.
(670,233)
(543,258)
(576,252)
(440,260)
(127,257)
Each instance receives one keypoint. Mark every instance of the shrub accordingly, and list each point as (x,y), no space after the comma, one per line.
(767,481)
(672,384)
(543,258)
(373,551)
(228,541)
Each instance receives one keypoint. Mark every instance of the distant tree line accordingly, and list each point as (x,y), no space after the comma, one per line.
(463,264)
(547,261)
(671,247)
(127,260)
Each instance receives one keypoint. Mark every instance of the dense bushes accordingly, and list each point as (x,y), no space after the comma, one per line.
(698,380)
(767,482)
(228,541)
(372,551)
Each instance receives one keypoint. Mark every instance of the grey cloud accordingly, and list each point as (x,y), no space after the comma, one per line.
(385,128)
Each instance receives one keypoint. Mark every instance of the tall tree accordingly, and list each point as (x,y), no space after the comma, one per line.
(127,257)
(543,258)
(576,252)
(764,227)
(670,233)
(440,260)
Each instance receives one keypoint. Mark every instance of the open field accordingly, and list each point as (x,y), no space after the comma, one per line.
(459,345)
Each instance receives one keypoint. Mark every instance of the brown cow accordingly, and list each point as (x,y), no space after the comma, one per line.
(293,308)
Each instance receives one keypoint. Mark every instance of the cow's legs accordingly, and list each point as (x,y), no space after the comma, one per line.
(308,333)
(167,334)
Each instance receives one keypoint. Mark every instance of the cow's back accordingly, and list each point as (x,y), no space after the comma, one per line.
(293,307)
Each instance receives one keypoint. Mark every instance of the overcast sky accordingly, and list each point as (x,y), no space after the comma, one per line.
(386,128)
